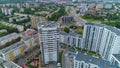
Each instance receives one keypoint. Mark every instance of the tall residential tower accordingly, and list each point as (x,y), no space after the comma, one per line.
(102,39)
(49,36)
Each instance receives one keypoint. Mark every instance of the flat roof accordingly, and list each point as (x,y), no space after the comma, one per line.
(29,37)
(113,29)
(8,64)
(117,56)
(90,59)
(7,36)
(71,34)
(13,46)
(48,24)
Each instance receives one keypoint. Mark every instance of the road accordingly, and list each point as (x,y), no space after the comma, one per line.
(71,12)
(66,61)
(52,13)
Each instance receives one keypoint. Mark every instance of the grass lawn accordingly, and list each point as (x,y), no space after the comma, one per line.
(79,30)
(64,46)
(91,20)
(111,23)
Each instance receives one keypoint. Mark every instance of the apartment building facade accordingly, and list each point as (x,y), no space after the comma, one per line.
(49,36)
(102,39)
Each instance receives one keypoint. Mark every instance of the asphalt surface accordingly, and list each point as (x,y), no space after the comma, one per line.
(66,61)
(52,65)
(71,12)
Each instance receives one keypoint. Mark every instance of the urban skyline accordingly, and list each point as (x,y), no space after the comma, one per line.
(60,34)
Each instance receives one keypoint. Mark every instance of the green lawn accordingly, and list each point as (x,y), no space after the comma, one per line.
(91,20)
(79,30)
(64,46)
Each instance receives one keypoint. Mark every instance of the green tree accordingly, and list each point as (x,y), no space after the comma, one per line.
(67,30)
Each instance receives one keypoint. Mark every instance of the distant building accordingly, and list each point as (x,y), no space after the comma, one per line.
(83,9)
(3,30)
(42,19)
(86,61)
(6,11)
(66,19)
(19,27)
(108,6)
(18,18)
(49,36)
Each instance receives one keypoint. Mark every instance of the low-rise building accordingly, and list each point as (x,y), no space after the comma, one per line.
(8,64)
(33,21)
(31,41)
(8,38)
(81,60)
(3,30)
(83,9)
(13,52)
(66,19)
(18,18)
(116,59)
(71,39)
(19,27)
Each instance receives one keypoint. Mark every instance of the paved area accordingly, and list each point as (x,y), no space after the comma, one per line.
(72,12)
(66,60)
(52,65)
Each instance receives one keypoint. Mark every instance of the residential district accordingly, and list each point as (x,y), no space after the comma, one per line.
(59,33)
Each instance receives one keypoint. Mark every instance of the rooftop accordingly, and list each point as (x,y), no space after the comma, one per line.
(25,38)
(48,24)
(7,36)
(113,29)
(8,64)
(117,56)
(13,46)
(90,59)
(71,34)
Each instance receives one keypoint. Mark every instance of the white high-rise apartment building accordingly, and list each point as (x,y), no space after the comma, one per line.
(102,39)
(49,41)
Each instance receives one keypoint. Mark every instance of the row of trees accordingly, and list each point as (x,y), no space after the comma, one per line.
(3,33)
(109,19)
(8,28)
(10,43)
(3,16)
(21,22)
(78,29)
(57,15)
